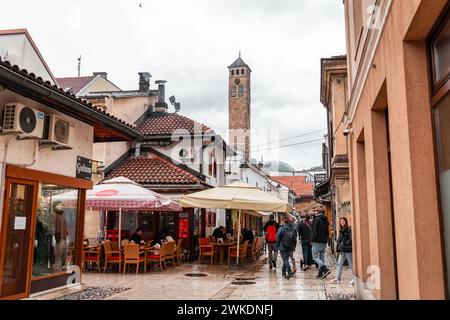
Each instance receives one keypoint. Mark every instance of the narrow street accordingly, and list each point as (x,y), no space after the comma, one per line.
(254,282)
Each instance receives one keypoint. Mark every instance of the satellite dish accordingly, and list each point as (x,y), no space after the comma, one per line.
(27,120)
(172,100)
(177,106)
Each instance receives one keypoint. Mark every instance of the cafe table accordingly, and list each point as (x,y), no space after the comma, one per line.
(221,247)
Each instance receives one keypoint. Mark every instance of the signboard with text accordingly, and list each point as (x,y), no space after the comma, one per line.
(84,168)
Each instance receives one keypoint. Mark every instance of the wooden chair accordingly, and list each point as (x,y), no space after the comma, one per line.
(252,249)
(90,257)
(179,250)
(132,255)
(158,259)
(125,242)
(233,252)
(170,252)
(112,256)
(206,249)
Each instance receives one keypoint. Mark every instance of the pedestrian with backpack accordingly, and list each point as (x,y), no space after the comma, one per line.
(344,248)
(271,228)
(319,239)
(304,232)
(286,243)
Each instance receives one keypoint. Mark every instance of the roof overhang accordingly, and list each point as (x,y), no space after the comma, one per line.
(106,128)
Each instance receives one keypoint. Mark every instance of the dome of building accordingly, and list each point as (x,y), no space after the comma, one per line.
(277,166)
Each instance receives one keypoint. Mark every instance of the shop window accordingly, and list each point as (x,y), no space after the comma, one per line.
(56,230)
(440,53)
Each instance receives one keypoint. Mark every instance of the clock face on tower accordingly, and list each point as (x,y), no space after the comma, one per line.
(237,81)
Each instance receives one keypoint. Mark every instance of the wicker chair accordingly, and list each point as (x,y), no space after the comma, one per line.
(158,259)
(90,257)
(179,250)
(112,256)
(206,249)
(242,254)
(132,255)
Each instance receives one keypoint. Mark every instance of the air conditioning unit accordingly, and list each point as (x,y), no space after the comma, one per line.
(57,130)
(187,154)
(22,120)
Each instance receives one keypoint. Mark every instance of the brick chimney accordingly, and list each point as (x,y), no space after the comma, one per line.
(161,105)
(144,81)
(102,74)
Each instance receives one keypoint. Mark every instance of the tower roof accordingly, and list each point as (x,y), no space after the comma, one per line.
(239,63)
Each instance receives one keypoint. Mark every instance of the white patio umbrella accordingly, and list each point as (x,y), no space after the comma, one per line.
(120,194)
(238,196)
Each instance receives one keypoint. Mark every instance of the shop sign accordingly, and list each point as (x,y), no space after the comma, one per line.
(319,178)
(84,168)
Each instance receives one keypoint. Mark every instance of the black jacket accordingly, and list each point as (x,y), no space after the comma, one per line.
(344,242)
(304,231)
(320,229)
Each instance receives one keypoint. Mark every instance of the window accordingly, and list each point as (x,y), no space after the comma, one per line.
(242,71)
(440,48)
(56,230)
(237,72)
(232,72)
(233,90)
(241,90)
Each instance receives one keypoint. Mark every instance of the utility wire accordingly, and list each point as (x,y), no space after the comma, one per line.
(285,139)
(289,145)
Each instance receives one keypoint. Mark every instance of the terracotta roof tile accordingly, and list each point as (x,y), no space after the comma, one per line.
(168,123)
(55,88)
(153,169)
(74,83)
(301,187)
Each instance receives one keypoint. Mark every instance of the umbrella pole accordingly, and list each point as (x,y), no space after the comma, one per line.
(105,227)
(120,227)
(238,236)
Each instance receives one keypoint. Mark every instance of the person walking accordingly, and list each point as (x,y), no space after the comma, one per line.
(286,242)
(319,240)
(304,232)
(271,228)
(344,248)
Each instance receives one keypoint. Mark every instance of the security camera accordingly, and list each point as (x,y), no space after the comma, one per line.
(347,132)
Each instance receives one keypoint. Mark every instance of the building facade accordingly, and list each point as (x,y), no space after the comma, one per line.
(397,124)
(46,143)
(335,191)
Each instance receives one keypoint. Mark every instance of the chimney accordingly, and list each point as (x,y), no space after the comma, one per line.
(102,74)
(161,105)
(144,81)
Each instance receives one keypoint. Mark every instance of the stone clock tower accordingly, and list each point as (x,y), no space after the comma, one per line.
(239,107)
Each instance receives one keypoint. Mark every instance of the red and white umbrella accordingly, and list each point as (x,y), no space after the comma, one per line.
(120,194)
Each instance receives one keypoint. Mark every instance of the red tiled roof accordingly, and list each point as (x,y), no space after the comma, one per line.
(153,169)
(74,83)
(298,184)
(168,123)
(56,89)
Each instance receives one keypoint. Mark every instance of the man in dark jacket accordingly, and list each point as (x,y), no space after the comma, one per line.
(286,241)
(304,233)
(271,228)
(319,240)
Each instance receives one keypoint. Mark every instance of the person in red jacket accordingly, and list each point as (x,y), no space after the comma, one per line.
(271,229)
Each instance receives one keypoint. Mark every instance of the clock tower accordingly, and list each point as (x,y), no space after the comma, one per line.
(239,97)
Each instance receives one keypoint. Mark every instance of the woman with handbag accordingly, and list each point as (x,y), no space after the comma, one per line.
(344,248)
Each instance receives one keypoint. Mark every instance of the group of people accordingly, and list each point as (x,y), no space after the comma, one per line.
(163,236)
(313,236)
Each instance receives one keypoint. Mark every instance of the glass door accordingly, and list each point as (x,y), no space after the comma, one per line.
(15,251)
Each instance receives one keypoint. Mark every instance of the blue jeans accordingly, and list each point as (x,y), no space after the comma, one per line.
(306,251)
(286,266)
(340,264)
(318,252)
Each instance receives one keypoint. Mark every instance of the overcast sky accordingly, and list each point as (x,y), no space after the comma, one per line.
(190,44)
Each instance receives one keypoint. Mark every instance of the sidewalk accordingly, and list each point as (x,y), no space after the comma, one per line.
(254,281)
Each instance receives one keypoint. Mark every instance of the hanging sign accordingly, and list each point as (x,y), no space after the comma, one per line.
(84,168)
